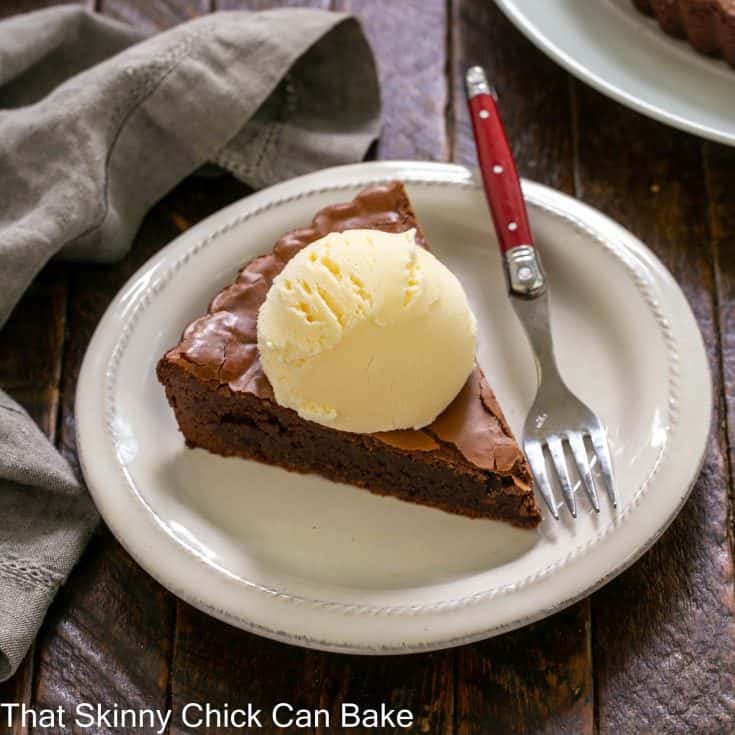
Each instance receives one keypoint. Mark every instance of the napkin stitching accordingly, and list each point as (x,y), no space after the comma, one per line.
(272,135)
(12,409)
(149,82)
(232,163)
(27,570)
(276,128)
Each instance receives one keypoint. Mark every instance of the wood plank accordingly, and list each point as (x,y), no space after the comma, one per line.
(409,40)
(664,637)
(13,7)
(109,636)
(270,4)
(217,664)
(423,684)
(415,95)
(18,690)
(534,95)
(719,164)
(537,679)
(534,680)
(107,639)
(31,346)
(155,15)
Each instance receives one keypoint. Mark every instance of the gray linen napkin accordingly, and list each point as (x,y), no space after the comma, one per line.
(96,124)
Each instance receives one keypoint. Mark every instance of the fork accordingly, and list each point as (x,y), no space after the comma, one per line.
(557,420)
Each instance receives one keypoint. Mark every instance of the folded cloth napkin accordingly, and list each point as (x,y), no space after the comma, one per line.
(96,124)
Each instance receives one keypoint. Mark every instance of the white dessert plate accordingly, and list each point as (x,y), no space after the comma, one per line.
(625,55)
(300,559)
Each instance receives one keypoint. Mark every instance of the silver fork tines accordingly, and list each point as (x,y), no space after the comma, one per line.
(558,422)
(602,450)
(555,446)
(576,442)
(535,453)
(562,472)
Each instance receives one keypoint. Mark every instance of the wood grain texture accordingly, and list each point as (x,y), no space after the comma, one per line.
(534,95)
(409,40)
(719,165)
(109,635)
(665,630)
(154,15)
(270,4)
(31,344)
(107,638)
(31,347)
(537,679)
(221,665)
(423,684)
(19,689)
(13,7)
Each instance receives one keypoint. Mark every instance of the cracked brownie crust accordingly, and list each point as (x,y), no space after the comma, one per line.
(709,25)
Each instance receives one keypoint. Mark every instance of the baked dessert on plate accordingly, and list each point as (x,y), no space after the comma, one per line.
(240,388)
(709,25)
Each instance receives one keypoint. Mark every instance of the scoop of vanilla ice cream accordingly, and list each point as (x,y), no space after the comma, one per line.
(366,331)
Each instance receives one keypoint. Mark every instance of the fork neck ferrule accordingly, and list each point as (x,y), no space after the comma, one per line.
(476,83)
(523,271)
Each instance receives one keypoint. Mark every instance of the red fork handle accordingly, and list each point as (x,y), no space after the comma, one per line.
(499,173)
(523,270)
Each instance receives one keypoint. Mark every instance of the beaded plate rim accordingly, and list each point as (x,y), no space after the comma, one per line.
(198,247)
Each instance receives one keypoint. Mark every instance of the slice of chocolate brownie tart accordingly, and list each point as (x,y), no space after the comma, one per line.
(466,462)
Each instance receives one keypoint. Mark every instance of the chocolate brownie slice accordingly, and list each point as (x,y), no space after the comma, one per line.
(466,462)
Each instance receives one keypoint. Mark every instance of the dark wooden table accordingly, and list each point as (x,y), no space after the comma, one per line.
(653,652)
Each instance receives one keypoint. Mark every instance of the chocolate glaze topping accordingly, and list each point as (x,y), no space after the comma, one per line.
(221,347)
